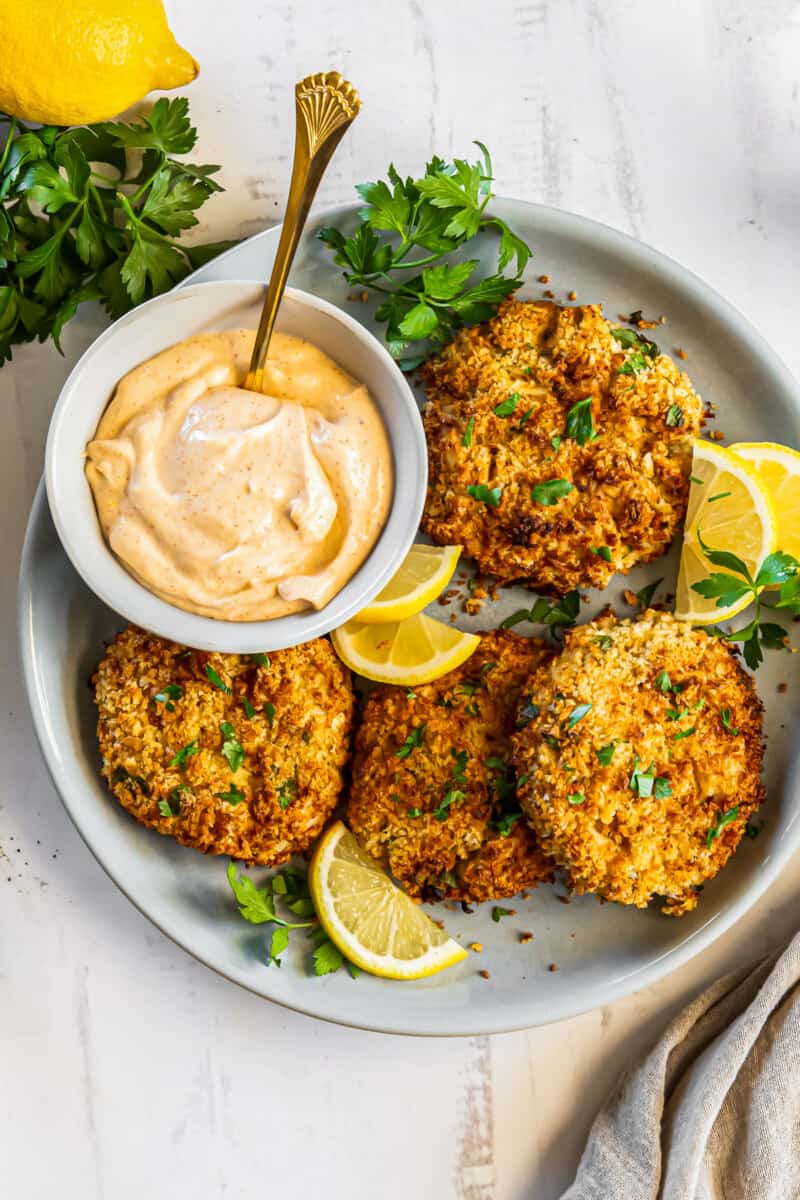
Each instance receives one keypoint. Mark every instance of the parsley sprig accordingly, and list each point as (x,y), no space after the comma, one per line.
(736,582)
(403,246)
(76,225)
(290,888)
(558,616)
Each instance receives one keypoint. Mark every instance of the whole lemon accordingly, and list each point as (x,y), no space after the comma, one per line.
(74,62)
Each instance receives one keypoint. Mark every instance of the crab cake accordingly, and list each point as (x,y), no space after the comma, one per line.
(577,436)
(433,794)
(230,754)
(643,758)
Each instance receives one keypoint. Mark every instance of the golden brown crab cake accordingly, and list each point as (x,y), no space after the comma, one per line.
(433,793)
(642,758)
(230,754)
(576,435)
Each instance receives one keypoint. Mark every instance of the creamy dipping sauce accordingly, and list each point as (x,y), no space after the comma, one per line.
(233,504)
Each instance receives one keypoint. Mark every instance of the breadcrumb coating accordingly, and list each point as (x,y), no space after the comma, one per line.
(643,758)
(629,484)
(433,797)
(169,733)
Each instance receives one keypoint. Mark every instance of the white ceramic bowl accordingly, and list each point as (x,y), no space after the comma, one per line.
(160,323)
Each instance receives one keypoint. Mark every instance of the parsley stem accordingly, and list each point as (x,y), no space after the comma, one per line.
(12,128)
(137,195)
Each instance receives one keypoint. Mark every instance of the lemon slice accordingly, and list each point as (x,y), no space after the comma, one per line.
(425,572)
(778,467)
(416,650)
(372,922)
(732,509)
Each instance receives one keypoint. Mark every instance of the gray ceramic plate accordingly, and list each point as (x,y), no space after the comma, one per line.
(602,951)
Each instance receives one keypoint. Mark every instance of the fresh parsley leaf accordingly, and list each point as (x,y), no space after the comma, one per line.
(327,958)
(498,912)
(561,614)
(674,418)
(603,552)
(522,422)
(171,806)
(644,597)
(725,714)
(217,680)
(576,798)
(413,740)
(182,757)
(269,713)
(555,442)
(580,426)
(606,753)
(683,733)
(249,709)
(233,796)
(577,714)
(255,904)
(414,813)
(661,788)
(168,695)
(232,750)
(508,407)
(489,496)
(277,944)
(451,796)
(716,830)
(287,791)
(466,440)
(261,660)
(506,822)
(550,492)
(604,642)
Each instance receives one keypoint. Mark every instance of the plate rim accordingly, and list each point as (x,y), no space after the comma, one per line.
(631,982)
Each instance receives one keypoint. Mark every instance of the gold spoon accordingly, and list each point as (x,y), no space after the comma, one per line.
(325,106)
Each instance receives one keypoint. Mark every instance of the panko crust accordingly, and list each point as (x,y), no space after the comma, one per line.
(295,742)
(630,485)
(616,842)
(463,855)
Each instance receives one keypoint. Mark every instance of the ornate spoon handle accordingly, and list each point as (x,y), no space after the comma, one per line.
(325,105)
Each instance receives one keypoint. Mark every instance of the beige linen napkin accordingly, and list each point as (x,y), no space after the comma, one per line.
(713,1111)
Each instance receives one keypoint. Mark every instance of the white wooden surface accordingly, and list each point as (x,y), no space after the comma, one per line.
(127,1069)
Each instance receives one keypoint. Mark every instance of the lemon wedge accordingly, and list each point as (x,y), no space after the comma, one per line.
(778,468)
(416,650)
(372,922)
(424,574)
(732,510)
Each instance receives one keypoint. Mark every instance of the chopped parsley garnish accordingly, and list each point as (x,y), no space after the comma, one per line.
(410,694)
(168,695)
(604,642)
(606,753)
(694,479)
(663,682)
(576,798)
(459,770)
(414,813)
(506,823)
(752,831)
(466,440)
(249,710)
(233,796)
(643,354)
(216,680)
(725,714)
(555,442)
(719,496)
(580,426)
(261,660)
(522,422)
(561,614)
(715,830)
(508,407)
(603,552)
(451,796)
(674,418)
(550,492)
(677,714)
(645,783)
(171,807)
(684,733)
(577,714)
(231,748)
(287,791)
(487,495)
(269,712)
(413,740)
(182,757)
(644,597)
(527,713)
(498,913)
(131,782)
(552,741)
